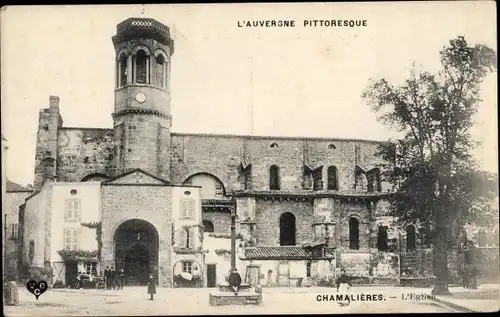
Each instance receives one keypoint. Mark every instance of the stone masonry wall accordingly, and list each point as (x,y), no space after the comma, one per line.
(220,220)
(268,215)
(149,203)
(221,155)
(83,152)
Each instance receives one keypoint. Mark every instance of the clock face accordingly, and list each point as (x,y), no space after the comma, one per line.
(140,97)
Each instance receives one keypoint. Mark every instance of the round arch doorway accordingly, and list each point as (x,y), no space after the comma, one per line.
(136,251)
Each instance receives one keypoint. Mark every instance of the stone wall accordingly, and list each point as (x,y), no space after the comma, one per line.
(220,220)
(150,203)
(268,213)
(83,152)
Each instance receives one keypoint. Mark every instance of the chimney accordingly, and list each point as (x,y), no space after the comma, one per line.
(54,101)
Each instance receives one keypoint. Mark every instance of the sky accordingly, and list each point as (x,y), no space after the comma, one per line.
(302,81)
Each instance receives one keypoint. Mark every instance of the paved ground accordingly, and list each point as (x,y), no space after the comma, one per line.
(485,298)
(134,301)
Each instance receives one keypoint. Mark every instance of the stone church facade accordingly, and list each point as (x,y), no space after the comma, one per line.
(306,206)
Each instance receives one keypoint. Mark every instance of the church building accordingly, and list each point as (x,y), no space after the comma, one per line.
(144,198)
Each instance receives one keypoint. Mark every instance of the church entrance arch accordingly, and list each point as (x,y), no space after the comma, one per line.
(136,251)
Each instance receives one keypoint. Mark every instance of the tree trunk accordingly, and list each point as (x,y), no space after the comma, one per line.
(440,262)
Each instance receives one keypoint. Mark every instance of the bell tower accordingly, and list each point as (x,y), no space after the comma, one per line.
(142,118)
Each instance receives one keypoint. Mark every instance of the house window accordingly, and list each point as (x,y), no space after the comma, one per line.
(332,178)
(187,208)
(287,229)
(208,226)
(382,240)
(73,207)
(481,238)
(71,239)
(410,238)
(331,146)
(308,269)
(141,68)
(353,234)
(274,146)
(13,234)
(185,238)
(219,190)
(187,267)
(91,267)
(274,177)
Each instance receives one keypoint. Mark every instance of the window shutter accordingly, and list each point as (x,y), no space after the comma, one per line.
(182,238)
(177,268)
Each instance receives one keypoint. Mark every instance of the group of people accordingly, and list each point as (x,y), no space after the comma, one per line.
(114,279)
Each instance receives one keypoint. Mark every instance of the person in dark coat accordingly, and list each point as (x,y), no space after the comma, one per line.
(151,286)
(344,285)
(121,279)
(234,280)
(113,277)
(107,277)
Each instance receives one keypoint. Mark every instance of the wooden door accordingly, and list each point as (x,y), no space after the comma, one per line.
(253,273)
(211,275)
(284,274)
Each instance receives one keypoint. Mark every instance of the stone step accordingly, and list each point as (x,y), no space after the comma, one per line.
(228,298)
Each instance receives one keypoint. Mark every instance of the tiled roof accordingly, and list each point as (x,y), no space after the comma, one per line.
(276,253)
(13,187)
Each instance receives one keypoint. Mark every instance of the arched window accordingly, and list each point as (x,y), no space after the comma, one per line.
(287,229)
(373,180)
(382,240)
(212,187)
(141,67)
(481,238)
(208,226)
(160,71)
(274,145)
(361,181)
(353,234)
(274,177)
(122,70)
(331,146)
(411,242)
(332,178)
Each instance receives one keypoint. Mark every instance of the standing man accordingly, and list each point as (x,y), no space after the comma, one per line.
(107,277)
(113,277)
(121,279)
(151,286)
(343,286)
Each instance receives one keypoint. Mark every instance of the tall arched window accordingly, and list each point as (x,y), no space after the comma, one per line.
(274,177)
(141,68)
(160,71)
(332,178)
(411,242)
(373,179)
(208,226)
(382,239)
(122,70)
(287,229)
(353,234)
